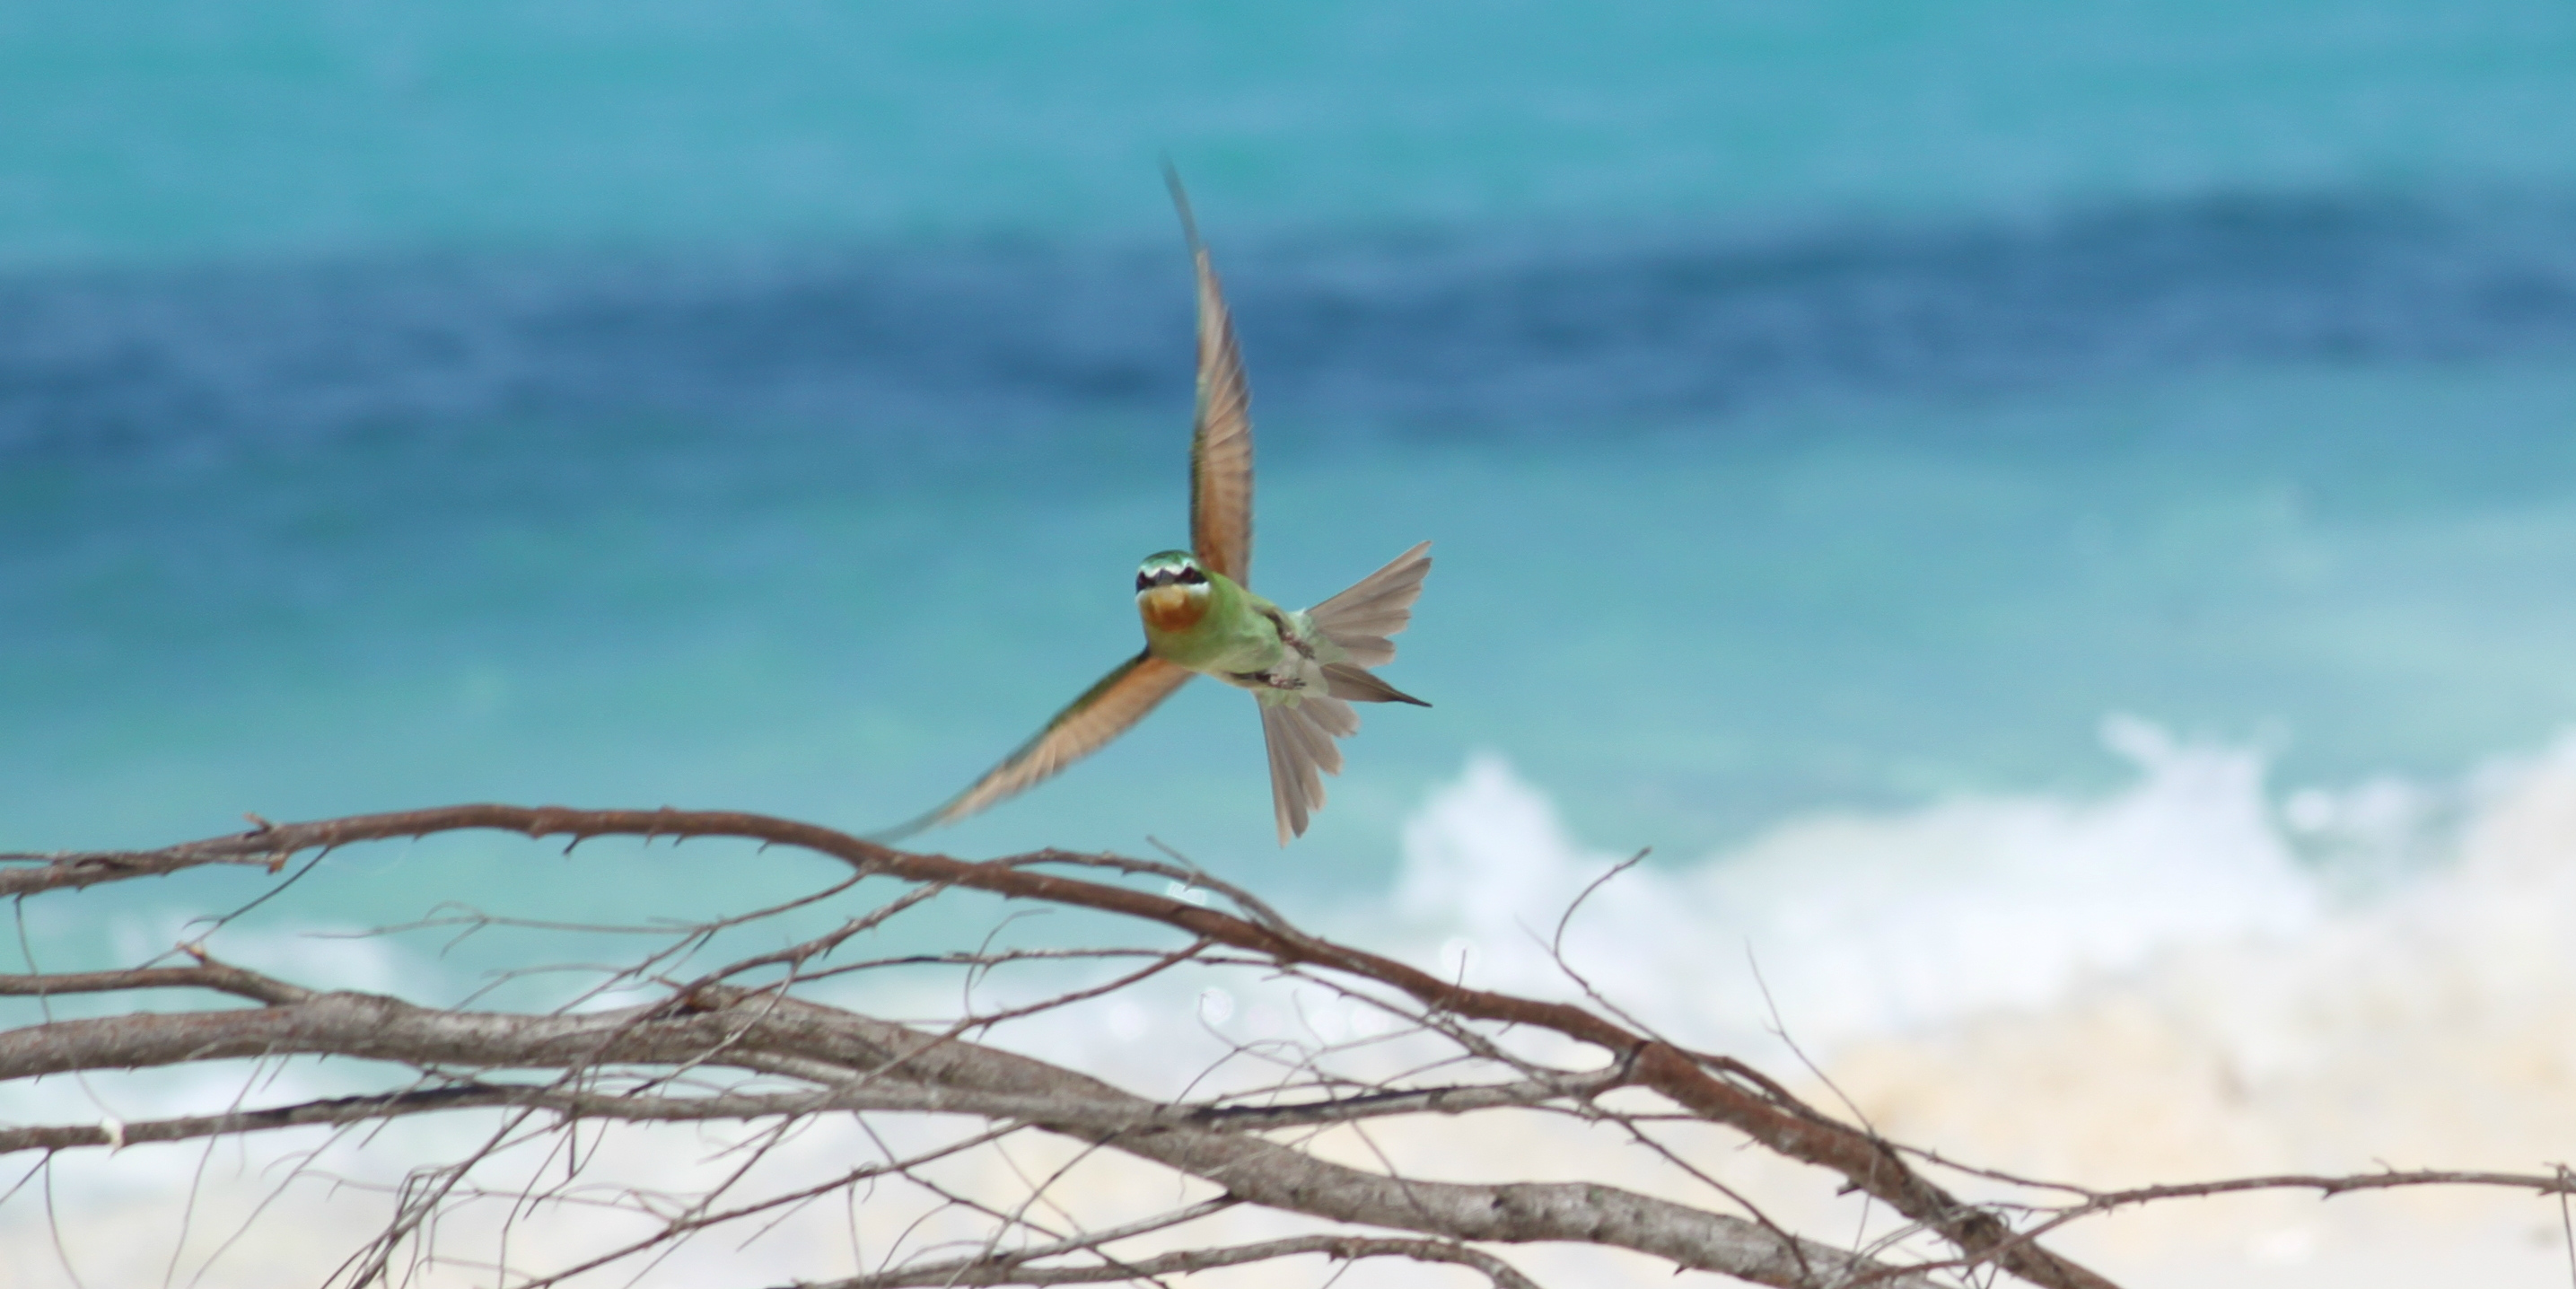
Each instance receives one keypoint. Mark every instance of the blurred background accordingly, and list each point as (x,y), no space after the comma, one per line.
(2105,471)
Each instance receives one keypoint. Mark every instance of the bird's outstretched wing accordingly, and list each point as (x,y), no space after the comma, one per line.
(1086,725)
(1221,437)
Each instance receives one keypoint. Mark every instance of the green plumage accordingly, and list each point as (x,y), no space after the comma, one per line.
(1234,635)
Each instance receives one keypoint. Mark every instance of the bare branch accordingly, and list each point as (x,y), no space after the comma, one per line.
(208,974)
(884,1066)
(1791,1129)
(758,1055)
(334,1111)
(1011,1269)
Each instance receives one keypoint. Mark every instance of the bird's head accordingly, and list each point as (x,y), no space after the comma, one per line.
(1171,590)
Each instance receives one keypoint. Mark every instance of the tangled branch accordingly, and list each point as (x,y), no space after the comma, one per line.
(747,1045)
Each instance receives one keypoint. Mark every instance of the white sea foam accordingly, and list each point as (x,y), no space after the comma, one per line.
(1865,924)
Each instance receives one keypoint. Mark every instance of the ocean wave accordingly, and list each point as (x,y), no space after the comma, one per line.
(1837,926)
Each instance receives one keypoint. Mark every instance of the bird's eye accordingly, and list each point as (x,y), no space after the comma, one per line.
(1191,576)
(1143,579)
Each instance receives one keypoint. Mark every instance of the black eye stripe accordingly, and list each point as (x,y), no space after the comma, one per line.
(1185,575)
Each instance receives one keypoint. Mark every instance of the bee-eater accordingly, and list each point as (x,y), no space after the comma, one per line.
(1305,668)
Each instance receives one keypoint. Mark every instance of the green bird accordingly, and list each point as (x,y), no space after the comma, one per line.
(1201,617)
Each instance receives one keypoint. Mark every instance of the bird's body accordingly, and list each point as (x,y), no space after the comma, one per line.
(1206,622)
(1304,668)
(1214,626)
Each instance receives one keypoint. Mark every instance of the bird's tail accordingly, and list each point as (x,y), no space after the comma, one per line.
(1299,732)
(1299,727)
(1377,606)
(1360,619)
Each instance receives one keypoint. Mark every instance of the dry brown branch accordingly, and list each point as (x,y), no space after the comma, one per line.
(1786,1127)
(1015,1271)
(744,1047)
(206,975)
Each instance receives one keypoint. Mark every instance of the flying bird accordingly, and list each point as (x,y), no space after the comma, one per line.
(1201,617)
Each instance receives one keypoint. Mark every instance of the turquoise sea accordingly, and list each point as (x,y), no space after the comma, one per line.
(1822,411)
(760,405)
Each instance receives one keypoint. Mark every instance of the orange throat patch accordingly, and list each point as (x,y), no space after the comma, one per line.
(1172,608)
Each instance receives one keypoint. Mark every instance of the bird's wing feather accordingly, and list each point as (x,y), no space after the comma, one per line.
(1221,437)
(1299,737)
(1359,685)
(1104,712)
(1377,606)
